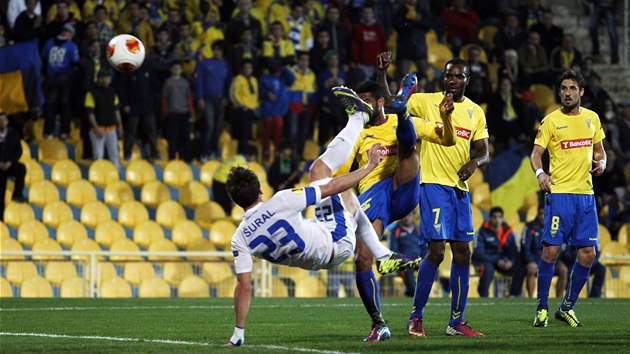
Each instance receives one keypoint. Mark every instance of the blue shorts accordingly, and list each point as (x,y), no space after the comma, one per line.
(570,219)
(445,214)
(381,201)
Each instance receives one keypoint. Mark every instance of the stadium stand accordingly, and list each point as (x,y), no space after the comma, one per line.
(193,194)
(169,213)
(154,287)
(114,288)
(107,232)
(57,272)
(18,271)
(137,272)
(117,193)
(132,213)
(147,232)
(139,172)
(56,213)
(79,193)
(42,193)
(153,193)
(102,172)
(32,231)
(46,245)
(193,286)
(5,288)
(70,232)
(36,287)
(74,287)
(94,213)
(65,172)
(185,233)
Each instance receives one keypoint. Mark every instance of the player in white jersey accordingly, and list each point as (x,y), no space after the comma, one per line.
(276,231)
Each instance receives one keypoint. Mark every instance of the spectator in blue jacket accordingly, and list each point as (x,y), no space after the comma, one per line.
(495,250)
(61,55)
(404,237)
(531,251)
(213,84)
(274,103)
(598,270)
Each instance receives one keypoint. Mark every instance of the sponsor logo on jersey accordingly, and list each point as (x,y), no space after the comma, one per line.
(577,143)
(463,133)
(391,150)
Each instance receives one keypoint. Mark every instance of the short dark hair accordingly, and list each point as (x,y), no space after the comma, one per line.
(572,74)
(373,88)
(496,209)
(458,61)
(243,186)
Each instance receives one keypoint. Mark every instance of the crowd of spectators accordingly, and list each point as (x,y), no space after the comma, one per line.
(212,65)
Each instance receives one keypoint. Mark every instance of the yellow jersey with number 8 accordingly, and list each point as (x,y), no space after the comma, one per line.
(570,140)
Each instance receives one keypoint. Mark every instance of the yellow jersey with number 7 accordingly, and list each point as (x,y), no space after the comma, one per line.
(570,140)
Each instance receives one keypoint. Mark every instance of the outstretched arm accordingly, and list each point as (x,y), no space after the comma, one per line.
(242,298)
(383,60)
(349,180)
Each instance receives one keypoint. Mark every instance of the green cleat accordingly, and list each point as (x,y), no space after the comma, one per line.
(568,317)
(351,101)
(541,318)
(396,262)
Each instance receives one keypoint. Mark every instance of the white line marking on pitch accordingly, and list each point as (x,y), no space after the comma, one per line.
(165,341)
(209,307)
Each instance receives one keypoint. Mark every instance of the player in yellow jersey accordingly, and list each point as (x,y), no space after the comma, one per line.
(574,136)
(391,190)
(445,213)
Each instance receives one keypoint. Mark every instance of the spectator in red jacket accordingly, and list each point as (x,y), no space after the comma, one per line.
(368,40)
(461,25)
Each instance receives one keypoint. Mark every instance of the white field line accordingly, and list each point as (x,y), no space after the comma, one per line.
(165,341)
(210,307)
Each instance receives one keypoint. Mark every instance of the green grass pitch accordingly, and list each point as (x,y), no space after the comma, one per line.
(292,325)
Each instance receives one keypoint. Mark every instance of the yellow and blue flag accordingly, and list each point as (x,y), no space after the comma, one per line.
(511,179)
(20,77)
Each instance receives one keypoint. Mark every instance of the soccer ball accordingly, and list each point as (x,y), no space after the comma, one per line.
(125,52)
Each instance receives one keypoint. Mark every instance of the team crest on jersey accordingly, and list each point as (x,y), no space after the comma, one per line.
(588,123)
(297,190)
(470,113)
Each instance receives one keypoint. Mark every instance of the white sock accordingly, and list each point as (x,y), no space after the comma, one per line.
(369,237)
(340,148)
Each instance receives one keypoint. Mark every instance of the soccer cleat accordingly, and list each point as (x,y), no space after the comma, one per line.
(541,318)
(414,327)
(407,88)
(396,262)
(351,101)
(462,329)
(378,333)
(568,317)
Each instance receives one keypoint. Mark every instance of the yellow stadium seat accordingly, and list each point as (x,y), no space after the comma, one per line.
(162,146)
(604,235)
(31,232)
(279,288)
(259,170)
(226,287)
(463,52)
(310,287)
(5,288)
(17,213)
(154,287)
(444,268)
(47,245)
(94,213)
(84,245)
(140,172)
(193,194)
(169,213)
(51,150)
(207,171)
(311,150)
(163,245)
(115,288)
(268,192)
(543,96)
(132,213)
(614,248)
(186,232)
(65,172)
(193,286)
(108,232)
(518,229)
(56,213)
(18,272)
(147,232)
(201,245)
(487,33)
(512,218)
(216,272)
(237,214)
(74,287)
(623,236)
(174,272)
(117,193)
(102,172)
(552,107)
(34,172)
(477,216)
(124,245)
(70,232)
(530,201)
(476,179)
(137,272)
(221,233)
(207,212)
(481,196)
(58,272)
(153,193)
(177,173)
(431,37)
(438,54)
(42,193)
(80,192)
(26,151)
(4,231)
(105,271)
(36,287)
